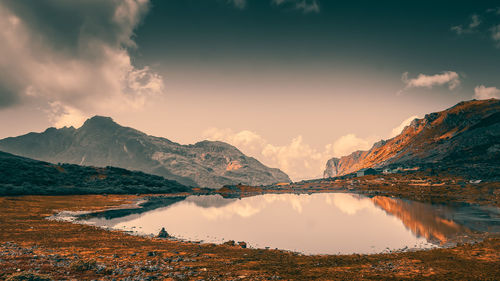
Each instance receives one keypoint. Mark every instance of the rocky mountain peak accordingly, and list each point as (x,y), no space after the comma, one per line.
(102,142)
(465,133)
(332,167)
(99,122)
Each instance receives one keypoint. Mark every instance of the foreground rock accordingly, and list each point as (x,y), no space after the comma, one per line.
(163,233)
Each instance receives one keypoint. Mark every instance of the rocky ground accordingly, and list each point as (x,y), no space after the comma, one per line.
(29,243)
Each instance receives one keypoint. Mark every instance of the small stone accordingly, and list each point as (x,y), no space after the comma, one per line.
(229,243)
(163,233)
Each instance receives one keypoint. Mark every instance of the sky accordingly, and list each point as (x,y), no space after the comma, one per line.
(289,82)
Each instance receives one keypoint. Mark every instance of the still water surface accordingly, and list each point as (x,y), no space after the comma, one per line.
(322,223)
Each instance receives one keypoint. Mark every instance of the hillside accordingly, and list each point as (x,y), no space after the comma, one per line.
(464,138)
(102,142)
(23,176)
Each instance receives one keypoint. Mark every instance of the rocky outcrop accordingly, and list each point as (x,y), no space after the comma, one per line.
(332,168)
(163,233)
(467,133)
(102,142)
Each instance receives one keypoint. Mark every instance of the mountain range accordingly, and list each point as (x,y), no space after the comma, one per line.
(465,137)
(102,142)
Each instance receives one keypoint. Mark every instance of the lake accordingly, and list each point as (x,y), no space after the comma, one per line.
(318,223)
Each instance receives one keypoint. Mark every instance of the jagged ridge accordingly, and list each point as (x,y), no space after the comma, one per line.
(465,134)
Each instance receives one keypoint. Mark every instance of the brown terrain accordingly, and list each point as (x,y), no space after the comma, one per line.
(63,250)
(456,153)
(466,133)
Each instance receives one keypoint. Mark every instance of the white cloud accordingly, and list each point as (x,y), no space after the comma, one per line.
(297,158)
(74,76)
(396,131)
(494,10)
(240,4)
(495,34)
(306,6)
(450,78)
(64,115)
(481,92)
(349,143)
(253,205)
(470,28)
(348,203)
(475,22)
(481,24)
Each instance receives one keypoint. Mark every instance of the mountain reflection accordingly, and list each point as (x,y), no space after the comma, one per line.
(422,219)
(318,223)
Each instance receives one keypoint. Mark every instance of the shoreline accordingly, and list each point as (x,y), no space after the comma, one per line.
(81,217)
(31,242)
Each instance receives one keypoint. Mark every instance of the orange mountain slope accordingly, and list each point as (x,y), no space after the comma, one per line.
(468,132)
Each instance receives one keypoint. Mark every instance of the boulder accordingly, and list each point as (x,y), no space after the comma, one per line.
(163,233)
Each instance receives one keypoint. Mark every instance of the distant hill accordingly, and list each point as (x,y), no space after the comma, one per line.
(23,176)
(464,138)
(102,142)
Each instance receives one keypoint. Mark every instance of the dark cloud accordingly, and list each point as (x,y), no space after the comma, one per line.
(306,6)
(64,24)
(486,23)
(7,97)
(73,55)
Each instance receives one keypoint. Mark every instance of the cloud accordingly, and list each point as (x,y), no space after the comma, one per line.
(349,143)
(73,56)
(61,115)
(485,24)
(495,34)
(451,78)
(240,4)
(296,158)
(470,28)
(396,131)
(494,10)
(481,93)
(306,6)
(253,205)
(348,203)
(475,22)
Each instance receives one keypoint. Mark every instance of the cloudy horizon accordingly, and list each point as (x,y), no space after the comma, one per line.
(289,82)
